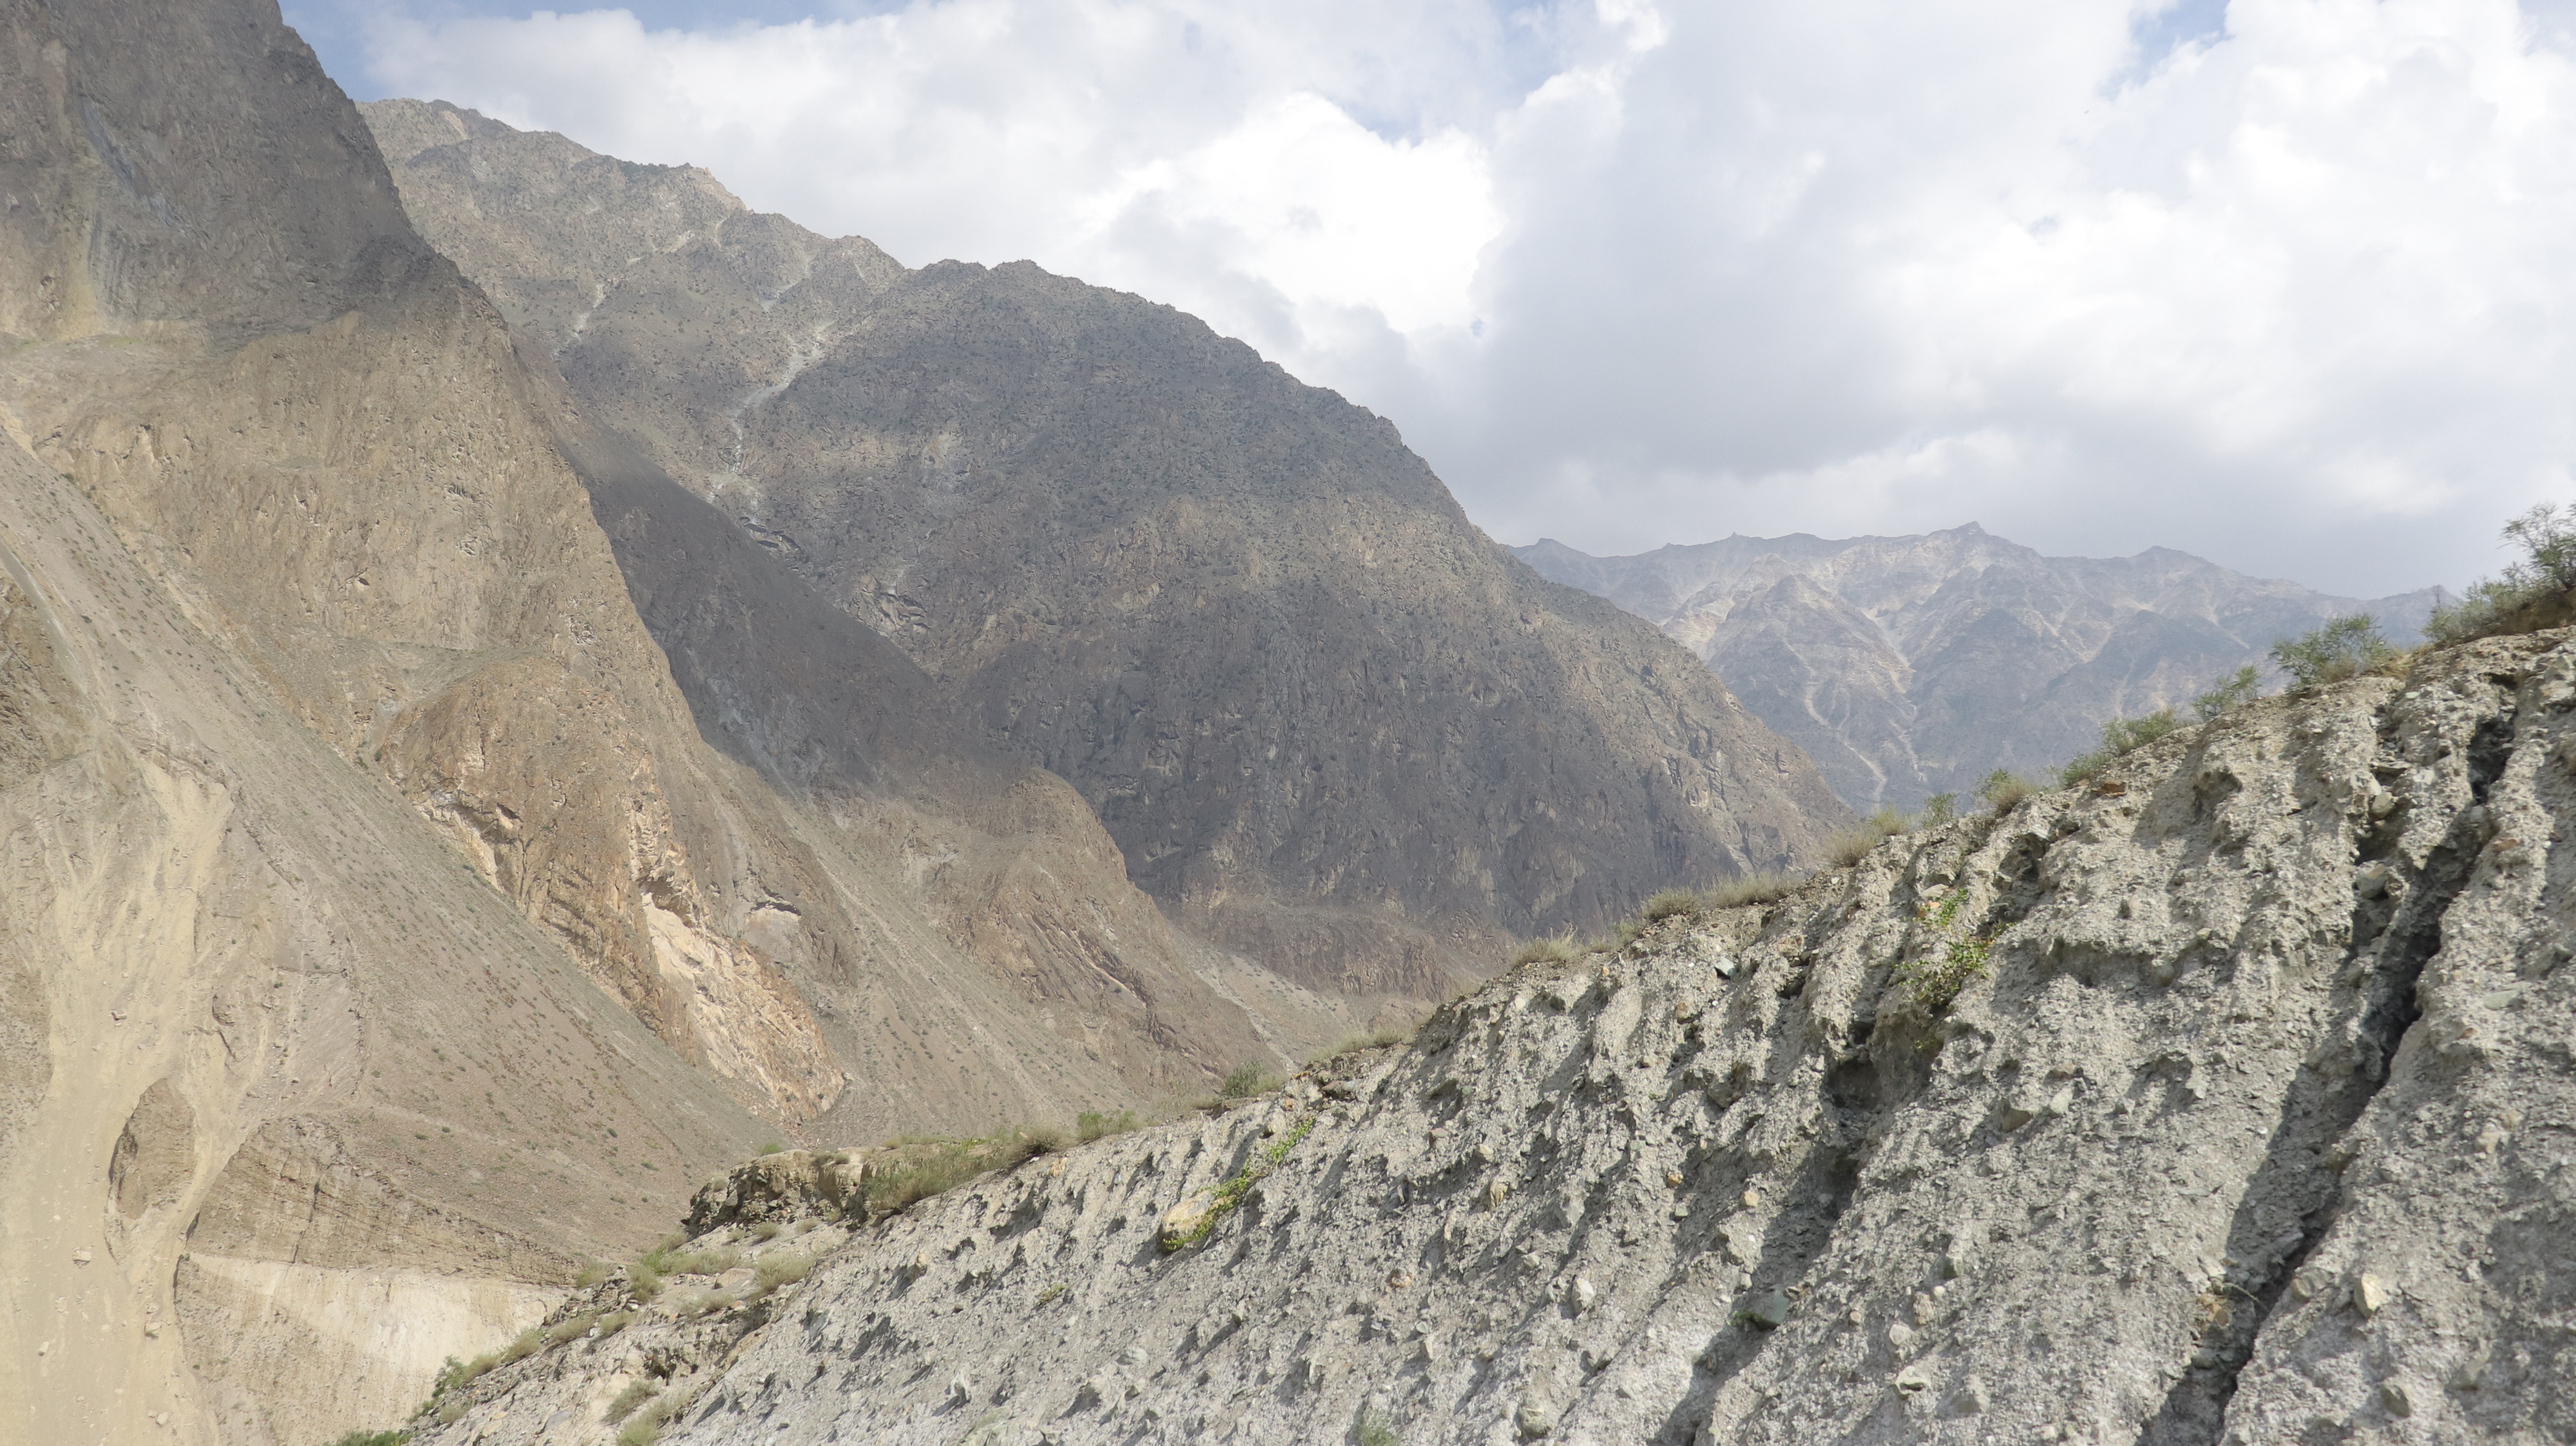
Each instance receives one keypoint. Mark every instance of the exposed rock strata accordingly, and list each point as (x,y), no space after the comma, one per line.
(1908,666)
(1330,726)
(2252,1126)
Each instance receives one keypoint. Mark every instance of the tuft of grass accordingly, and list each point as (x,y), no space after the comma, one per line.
(916,1168)
(635,1394)
(1559,950)
(766,1230)
(1230,1194)
(1245,1081)
(771,1147)
(1092,1125)
(1853,844)
(1052,1293)
(373,1438)
(2345,648)
(645,1425)
(1372,1429)
(2003,789)
(1762,888)
(592,1274)
(1671,903)
(613,1322)
(785,1267)
(1939,809)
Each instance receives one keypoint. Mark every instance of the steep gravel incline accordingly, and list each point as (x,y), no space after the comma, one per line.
(2249,1120)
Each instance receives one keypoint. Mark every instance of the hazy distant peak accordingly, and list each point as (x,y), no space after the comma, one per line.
(1911,665)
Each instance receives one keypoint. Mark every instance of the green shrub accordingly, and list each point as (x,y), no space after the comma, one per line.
(1939,809)
(2537,590)
(1560,950)
(1052,1293)
(1230,1195)
(1372,1429)
(373,1438)
(2003,789)
(2344,648)
(2231,693)
(2120,736)
(1933,981)
(1245,1081)
(1093,1125)
(771,1147)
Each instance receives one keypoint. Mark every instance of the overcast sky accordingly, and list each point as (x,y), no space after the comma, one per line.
(2290,284)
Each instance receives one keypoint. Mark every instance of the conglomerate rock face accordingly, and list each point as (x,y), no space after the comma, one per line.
(2248,1120)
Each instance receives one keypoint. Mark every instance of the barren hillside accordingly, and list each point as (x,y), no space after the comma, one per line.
(2223,1099)
(1331,725)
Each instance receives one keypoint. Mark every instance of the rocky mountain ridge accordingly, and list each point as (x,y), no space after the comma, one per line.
(1909,666)
(1332,728)
(2225,1098)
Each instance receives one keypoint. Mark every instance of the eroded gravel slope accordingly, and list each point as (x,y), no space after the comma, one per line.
(2255,1127)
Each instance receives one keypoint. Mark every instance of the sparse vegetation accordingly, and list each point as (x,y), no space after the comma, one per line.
(635,1394)
(1934,981)
(2535,591)
(2003,789)
(915,1168)
(1093,1125)
(1762,888)
(1939,809)
(2232,692)
(1670,903)
(1230,1194)
(2120,737)
(1245,1081)
(1372,1429)
(373,1438)
(1559,950)
(1052,1294)
(645,1425)
(2344,648)
(1853,844)
(771,1147)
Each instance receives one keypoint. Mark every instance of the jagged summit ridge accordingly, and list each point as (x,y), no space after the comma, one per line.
(1908,666)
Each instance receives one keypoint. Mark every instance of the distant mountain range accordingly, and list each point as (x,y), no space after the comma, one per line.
(1910,666)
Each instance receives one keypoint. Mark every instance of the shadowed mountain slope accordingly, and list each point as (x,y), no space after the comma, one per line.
(1330,725)
(1908,666)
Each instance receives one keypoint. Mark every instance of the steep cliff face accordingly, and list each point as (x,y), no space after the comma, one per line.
(381,937)
(2225,1098)
(1329,724)
(1908,666)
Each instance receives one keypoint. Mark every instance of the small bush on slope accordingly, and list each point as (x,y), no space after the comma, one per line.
(2535,591)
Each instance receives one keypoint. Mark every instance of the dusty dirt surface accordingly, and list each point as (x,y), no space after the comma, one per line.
(2226,1098)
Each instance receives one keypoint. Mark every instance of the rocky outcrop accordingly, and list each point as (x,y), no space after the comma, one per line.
(1909,666)
(1329,725)
(2223,1098)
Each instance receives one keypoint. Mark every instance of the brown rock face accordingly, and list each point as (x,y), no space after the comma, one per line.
(1908,666)
(1329,724)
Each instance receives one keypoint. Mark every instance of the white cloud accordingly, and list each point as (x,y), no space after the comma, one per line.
(2293,295)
